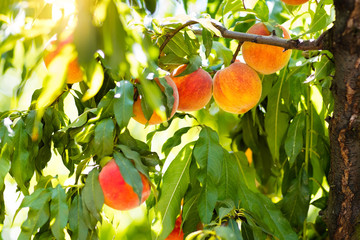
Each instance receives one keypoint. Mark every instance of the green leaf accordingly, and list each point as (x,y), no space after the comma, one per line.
(209,154)
(114,39)
(5,157)
(193,65)
(262,10)
(135,157)
(59,212)
(169,91)
(207,201)
(294,139)
(229,180)
(92,194)
(223,53)
(172,59)
(295,204)
(320,20)
(76,220)
(38,214)
(235,229)
(22,168)
(174,141)
(266,214)
(129,173)
(176,45)
(104,137)
(175,183)
(192,42)
(150,5)
(106,105)
(276,118)
(123,103)
(225,233)
(323,68)
(207,41)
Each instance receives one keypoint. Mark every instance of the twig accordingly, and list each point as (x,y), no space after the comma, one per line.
(314,44)
(298,44)
(172,34)
(237,51)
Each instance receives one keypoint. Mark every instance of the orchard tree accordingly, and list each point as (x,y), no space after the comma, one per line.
(234,119)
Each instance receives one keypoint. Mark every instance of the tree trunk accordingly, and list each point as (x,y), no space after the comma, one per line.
(342,215)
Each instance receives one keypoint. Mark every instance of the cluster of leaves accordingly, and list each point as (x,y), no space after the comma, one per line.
(207,182)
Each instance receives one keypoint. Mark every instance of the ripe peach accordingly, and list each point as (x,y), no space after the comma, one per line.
(177,233)
(155,118)
(117,193)
(264,58)
(74,72)
(295,2)
(237,88)
(195,89)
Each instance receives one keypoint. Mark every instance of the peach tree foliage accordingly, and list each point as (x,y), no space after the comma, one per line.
(233,199)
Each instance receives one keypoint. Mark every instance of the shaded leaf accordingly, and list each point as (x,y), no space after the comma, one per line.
(123,103)
(294,139)
(92,194)
(129,173)
(103,139)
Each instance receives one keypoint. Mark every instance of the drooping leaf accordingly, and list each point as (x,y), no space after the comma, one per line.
(295,204)
(103,139)
(129,173)
(174,141)
(207,41)
(294,139)
(223,53)
(22,167)
(175,183)
(276,120)
(39,212)
(209,155)
(123,103)
(168,95)
(76,220)
(266,213)
(59,212)
(92,194)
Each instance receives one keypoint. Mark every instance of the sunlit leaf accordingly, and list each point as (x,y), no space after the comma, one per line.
(175,183)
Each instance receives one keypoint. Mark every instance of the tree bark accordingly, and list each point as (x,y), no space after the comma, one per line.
(342,215)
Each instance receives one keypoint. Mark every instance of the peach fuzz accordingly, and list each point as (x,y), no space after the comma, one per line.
(117,193)
(295,2)
(74,72)
(195,89)
(264,58)
(237,88)
(155,118)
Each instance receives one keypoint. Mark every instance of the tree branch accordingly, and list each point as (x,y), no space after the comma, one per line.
(318,44)
(298,44)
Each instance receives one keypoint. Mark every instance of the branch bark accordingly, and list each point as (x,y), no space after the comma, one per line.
(342,215)
(322,43)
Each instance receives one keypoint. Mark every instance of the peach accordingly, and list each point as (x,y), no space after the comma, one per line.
(195,89)
(295,2)
(117,193)
(264,58)
(177,233)
(74,72)
(155,118)
(237,88)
